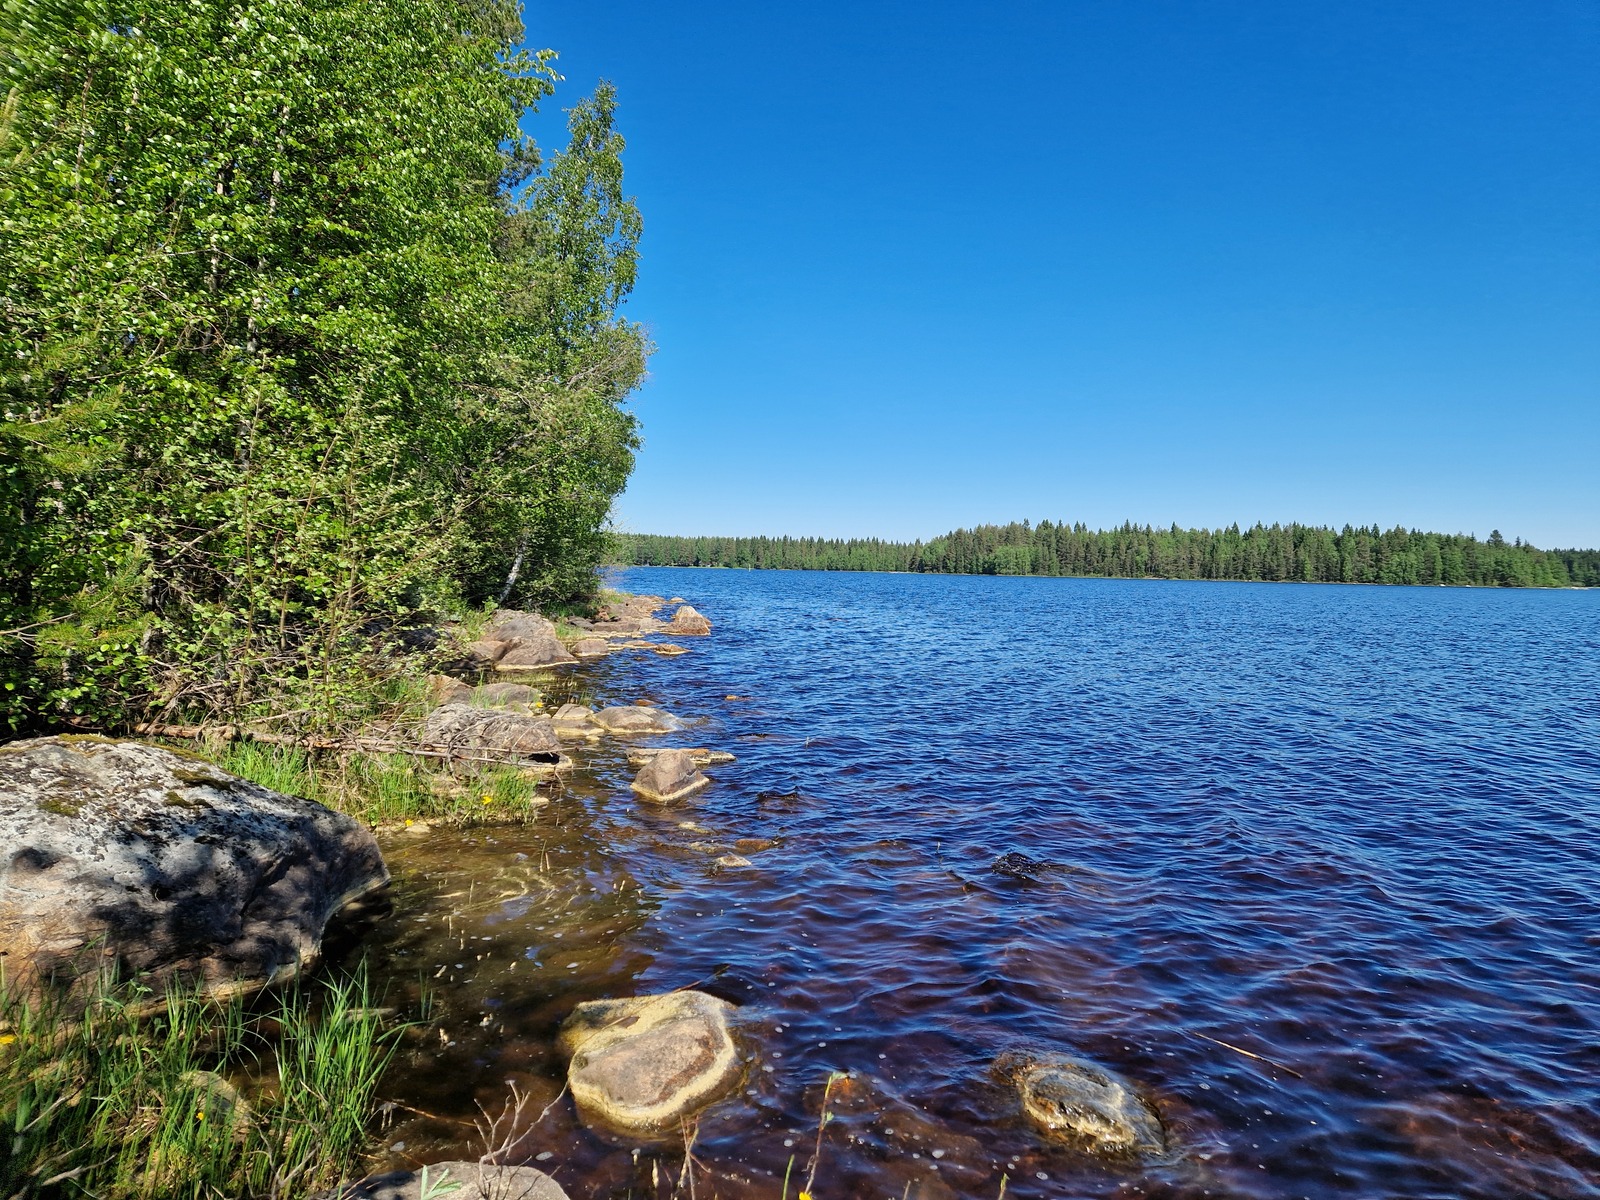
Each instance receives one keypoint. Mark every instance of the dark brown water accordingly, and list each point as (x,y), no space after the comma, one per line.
(1350,832)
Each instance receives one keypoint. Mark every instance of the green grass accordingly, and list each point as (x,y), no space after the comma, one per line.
(196,1100)
(387,789)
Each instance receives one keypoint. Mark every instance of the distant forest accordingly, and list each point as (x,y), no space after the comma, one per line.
(1305,553)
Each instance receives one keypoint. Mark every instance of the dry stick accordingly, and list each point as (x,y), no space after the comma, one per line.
(1247,1053)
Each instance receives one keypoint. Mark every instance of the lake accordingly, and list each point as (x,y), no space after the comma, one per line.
(1313,866)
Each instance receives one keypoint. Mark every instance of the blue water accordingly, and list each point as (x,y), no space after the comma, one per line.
(1351,831)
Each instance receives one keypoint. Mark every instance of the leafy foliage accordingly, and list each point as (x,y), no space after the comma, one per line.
(296,335)
(1313,554)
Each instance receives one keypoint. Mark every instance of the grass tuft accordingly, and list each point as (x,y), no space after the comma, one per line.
(192,1100)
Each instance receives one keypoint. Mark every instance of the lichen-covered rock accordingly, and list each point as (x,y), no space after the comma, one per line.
(687,622)
(635,718)
(669,776)
(468,731)
(640,1065)
(1086,1105)
(129,857)
(458,1181)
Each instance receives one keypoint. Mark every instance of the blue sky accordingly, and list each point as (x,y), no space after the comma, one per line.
(912,266)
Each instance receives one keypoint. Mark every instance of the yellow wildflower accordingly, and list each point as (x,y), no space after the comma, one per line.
(201,1115)
(7,1038)
(488,799)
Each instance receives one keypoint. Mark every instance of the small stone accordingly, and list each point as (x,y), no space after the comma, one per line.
(733,861)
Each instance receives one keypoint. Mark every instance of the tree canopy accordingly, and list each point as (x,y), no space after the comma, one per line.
(299,332)
(1308,553)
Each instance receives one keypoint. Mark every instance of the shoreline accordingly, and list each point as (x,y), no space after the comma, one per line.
(1468,587)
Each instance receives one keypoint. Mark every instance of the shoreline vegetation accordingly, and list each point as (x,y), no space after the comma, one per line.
(311,361)
(1267,554)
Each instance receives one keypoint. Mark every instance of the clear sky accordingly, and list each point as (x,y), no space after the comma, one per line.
(912,266)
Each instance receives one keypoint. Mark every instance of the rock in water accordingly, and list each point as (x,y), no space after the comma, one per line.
(457,1181)
(1078,1102)
(634,718)
(121,855)
(686,622)
(669,776)
(574,720)
(591,647)
(640,1065)
(640,755)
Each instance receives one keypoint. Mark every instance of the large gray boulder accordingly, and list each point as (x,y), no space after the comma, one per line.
(1078,1102)
(638,1066)
(126,857)
(457,1181)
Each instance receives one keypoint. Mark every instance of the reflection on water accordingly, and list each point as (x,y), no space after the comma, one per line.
(1312,865)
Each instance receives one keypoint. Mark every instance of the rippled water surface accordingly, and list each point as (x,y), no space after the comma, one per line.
(1314,866)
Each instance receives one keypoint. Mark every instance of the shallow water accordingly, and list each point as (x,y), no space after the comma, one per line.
(1348,831)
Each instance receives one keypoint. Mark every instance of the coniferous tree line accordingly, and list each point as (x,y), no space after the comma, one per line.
(1306,553)
(299,333)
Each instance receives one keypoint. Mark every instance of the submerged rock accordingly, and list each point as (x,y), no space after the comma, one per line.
(458,1181)
(124,856)
(702,757)
(635,718)
(669,776)
(640,1065)
(687,622)
(1075,1101)
(574,720)
(467,731)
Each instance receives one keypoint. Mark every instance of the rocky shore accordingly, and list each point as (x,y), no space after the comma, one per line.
(157,863)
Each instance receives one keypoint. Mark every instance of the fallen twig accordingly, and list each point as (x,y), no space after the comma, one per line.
(1248,1053)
